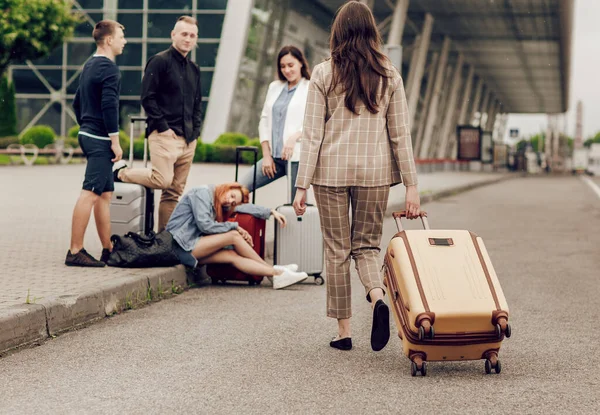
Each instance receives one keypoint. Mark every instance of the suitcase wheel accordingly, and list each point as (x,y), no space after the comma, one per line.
(422,334)
(414,368)
(489,366)
(319,280)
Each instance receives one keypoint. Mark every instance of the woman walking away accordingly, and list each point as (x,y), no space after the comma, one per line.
(281,119)
(203,235)
(355,144)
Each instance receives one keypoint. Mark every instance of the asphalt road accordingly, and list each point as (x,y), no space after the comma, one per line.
(239,349)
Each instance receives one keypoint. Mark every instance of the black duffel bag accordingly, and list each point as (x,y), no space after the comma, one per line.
(137,251)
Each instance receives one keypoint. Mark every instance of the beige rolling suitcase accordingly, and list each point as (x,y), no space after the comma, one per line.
(446,297)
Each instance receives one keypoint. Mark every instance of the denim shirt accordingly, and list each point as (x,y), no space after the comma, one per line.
(194,216)
(280,108)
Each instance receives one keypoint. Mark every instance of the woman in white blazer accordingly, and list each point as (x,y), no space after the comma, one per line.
(281,121)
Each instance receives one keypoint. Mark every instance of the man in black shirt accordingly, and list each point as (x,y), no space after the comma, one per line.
(96,106)
(172,99)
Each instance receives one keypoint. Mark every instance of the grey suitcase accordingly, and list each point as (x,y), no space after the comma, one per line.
(301,241)
(132,205)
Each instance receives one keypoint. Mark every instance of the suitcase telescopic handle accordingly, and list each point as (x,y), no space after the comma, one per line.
(238,151)
(133,119)
(402,214)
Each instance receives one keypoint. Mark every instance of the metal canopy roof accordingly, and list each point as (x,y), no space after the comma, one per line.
(521,48)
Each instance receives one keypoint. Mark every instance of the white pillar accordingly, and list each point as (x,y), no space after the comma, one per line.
(427,99)
(476,101)
(451,108)
(437,89)
(414,89)
(369,3)
(398,21)
(464,110)
(231,51)
(483,106)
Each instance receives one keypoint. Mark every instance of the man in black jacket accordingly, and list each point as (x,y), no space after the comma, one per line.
(96,106)
(172,99)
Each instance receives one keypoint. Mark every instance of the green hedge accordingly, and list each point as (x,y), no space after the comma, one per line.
(73,131)
(232,139)
(40,135)
(72,141)
(6,141)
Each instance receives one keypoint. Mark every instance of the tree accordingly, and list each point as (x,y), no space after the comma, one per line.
(592,140)
(31,29)
(8,108)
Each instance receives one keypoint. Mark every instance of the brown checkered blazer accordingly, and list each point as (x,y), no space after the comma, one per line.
(340,148)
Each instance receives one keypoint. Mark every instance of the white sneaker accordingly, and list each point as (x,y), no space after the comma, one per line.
(288,278)
(119,165)
(291,267)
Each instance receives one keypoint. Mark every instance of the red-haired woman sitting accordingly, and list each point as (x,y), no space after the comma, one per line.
(203,235)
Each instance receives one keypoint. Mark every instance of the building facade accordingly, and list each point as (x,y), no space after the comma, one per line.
(46,87)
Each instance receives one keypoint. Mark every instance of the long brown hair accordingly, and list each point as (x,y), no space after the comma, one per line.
(358,64)
(224,214)
(296,53)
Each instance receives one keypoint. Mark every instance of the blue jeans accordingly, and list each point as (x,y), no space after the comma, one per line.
(263,180)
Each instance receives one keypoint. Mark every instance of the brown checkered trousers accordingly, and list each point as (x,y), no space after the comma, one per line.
(359,240)
(351,160)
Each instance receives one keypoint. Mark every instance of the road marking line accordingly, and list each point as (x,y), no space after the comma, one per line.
(591,183)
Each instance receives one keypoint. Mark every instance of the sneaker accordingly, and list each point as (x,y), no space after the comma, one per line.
(82,259)
(105,255)
(291,267)
(121,164)
(288,278)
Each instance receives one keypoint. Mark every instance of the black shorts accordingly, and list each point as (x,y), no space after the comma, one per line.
(98,172)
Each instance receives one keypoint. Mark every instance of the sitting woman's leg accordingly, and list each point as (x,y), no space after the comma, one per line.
(246,265)
(209,244)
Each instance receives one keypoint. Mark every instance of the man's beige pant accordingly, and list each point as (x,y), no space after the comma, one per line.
(171,162)
(359,240)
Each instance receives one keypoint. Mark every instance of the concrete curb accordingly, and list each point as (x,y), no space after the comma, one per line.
(29,324)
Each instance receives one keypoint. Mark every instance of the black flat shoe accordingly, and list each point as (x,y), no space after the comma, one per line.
(342,344)
(380,332)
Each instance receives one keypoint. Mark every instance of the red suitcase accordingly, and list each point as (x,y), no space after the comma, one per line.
(254,226)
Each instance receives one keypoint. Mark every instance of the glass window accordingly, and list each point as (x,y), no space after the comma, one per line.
(131,4)
(78,53)
(132,55)
(55,57)
(131,83)
(53,77)
(52,117)
(91,4)
(154,48)
(132,22)
(171,4)
(85,28)
(27,108)
(127,108)
(161,25)
(26,82)
(206,82)
(206,54)
(212,4)
(210,25)
(72,87)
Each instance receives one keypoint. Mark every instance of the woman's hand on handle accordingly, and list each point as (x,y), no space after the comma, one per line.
(300,201)
(279,218)
(413,202)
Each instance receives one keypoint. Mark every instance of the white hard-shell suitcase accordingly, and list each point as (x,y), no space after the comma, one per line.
(301,241)
(132,205)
